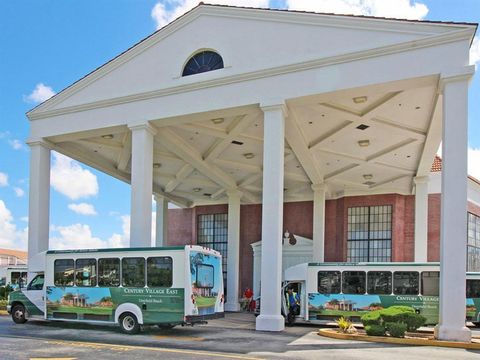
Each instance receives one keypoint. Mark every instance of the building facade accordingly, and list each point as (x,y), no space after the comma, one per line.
(330,122)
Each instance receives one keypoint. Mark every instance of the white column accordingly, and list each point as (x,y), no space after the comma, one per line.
(233,251)
(318,222)
(453,228)
(421,218)
(161,228)
(141,183)
(39,201)
(270,318)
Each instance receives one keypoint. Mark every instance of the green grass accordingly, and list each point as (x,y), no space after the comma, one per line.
(205,301)
(80,310)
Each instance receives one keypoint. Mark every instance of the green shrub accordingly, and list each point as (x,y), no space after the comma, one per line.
(375,330)
(413,321)
(396,329)
(395,313)
(371,318)
(4,291)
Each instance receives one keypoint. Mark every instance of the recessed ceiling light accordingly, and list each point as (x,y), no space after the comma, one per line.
(235,142)
(362,127)
(156,165)
(218,121)
(363,143)
(249,155)
(369,183)
(107,136)
(417,107)
(368,176)
(359,99)
(207,194)
(197,189)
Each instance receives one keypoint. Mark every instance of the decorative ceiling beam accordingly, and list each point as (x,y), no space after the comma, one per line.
(183,173)
(239,124)
(126,152)
(434,138)
(191,156)
(299,147)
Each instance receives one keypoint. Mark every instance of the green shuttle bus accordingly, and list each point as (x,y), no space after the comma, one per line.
(331,290)
(130,287)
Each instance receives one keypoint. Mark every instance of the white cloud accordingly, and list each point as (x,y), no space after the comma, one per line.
(123,239)
(41,93)
(166,11)
(474,162)
(10,237)
(400,9)
(76,236)
(83,209)
(3,179)
(24,218)
(19,192)
(475,51)
(15,144)
(70,179)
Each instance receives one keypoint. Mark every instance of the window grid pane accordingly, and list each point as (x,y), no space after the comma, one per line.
(213,233)
(473,243)
(369,234)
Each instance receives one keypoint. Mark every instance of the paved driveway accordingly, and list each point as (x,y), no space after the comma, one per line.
(230,338)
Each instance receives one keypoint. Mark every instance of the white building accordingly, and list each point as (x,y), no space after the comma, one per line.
(245,106)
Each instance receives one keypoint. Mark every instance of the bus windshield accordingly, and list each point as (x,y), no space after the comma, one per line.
(205,275)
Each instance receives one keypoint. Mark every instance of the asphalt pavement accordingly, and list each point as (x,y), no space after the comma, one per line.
(231,338)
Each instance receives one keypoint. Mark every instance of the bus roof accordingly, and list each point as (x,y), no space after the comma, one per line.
(83,251)
(373,264)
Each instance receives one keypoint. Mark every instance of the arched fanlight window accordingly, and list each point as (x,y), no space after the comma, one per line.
(202,62)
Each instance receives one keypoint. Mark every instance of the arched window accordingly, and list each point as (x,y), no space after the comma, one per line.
(202,62)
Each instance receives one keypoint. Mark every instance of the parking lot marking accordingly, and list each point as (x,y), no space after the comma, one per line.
(134,347)
(181,338)
(53,358)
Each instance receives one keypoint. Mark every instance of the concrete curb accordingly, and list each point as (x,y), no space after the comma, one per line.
(330,333)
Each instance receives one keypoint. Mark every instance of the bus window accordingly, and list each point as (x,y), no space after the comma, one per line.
(329,282)
(473,289)
(133,272)
(63,272)
(353,282)
(109,272)
(379,282)
(430,283)
(159,271)
(205,276)
(14,277)
(405,282)
(86,272)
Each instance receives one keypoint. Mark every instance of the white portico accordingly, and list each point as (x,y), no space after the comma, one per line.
(302,107)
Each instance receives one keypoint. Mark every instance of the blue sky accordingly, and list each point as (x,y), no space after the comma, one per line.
(46,45)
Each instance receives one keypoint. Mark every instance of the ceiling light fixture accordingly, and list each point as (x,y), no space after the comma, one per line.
(359,99)
(369,183)
(156,165)
(249,155)
(363,143)
(197,189)
(107,136)
(368,176)
(362,127)
(218,121)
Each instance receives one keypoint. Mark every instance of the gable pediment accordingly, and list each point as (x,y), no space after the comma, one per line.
(250,41)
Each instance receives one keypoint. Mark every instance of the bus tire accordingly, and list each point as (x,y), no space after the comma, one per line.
(129,323)
(18,314)
(476,323)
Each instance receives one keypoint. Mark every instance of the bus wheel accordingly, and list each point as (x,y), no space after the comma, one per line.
(129,323)
(18,314)
(476,323)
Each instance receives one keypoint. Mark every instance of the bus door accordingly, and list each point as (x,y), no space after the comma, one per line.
(36,294)
(297,287)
